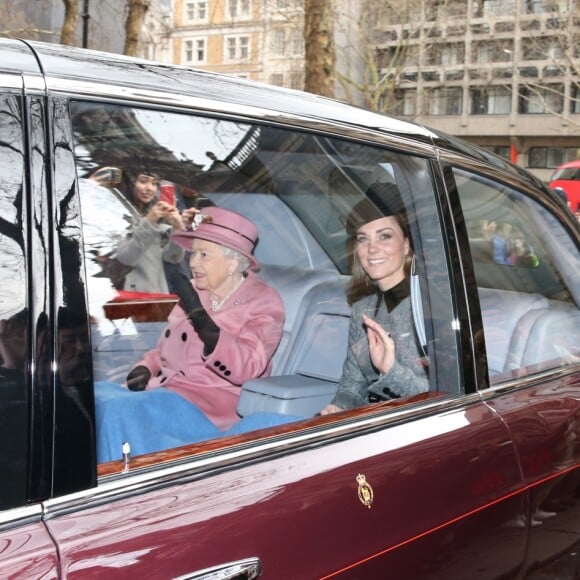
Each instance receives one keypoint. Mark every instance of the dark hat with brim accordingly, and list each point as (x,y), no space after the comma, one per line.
(382,200)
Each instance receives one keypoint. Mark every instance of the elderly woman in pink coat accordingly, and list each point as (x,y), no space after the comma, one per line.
(227,324)
(223,332)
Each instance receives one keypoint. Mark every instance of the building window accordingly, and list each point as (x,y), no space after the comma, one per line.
(575,99)
(195,51)
(237,48)
(452,54)
(279,41)
(405,102)
(297,80)
(551,157)
(438,54)
(443,101)
(542,49)
(297,40)
(541,100)
(196,11)
(445,9)
(277,79)
(494,8)
(239,9)
(491,101)
(496,51)
(542,6)
(454,75)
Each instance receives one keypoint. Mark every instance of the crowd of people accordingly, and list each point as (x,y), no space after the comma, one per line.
(507,246)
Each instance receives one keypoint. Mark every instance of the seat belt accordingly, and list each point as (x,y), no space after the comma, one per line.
(417,306)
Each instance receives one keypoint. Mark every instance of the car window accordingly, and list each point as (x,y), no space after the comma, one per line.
(568,173)
(14,311)
(528,277)
(299,189)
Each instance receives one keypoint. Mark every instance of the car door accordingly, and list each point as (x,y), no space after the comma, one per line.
(414,487)
(529,301)
(438,476)
(26,547)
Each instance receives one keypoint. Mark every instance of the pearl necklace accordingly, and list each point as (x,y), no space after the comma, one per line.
(216,304)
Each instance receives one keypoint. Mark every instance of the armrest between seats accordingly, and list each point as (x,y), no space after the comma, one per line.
(287,395)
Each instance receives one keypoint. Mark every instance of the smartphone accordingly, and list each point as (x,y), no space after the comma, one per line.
(167,192)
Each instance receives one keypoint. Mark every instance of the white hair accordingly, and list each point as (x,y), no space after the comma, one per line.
(243,261)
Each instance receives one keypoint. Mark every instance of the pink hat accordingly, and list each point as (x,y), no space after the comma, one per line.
(222,226)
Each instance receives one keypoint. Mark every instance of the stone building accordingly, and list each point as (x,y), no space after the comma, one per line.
(500,73)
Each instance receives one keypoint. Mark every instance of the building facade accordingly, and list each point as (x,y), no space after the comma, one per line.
(499,73)
(504,74)
(257,39)
(219,35)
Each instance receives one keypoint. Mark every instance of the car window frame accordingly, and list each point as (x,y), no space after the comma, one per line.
(473,310)
(400,147)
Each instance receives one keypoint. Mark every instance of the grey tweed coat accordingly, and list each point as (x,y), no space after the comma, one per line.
(360,379)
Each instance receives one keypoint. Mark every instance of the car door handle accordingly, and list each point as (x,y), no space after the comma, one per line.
(246,569)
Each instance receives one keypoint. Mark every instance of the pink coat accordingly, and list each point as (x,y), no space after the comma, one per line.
(250,325)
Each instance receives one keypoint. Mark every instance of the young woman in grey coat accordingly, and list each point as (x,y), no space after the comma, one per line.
(148,244)
(384,360)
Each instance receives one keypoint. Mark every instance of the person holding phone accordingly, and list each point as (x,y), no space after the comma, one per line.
(148,246)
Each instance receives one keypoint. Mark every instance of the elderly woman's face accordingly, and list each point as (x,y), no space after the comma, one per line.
(381,247)
(211,269)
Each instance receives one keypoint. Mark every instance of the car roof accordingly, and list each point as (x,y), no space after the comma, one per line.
(78,64)
(111,75)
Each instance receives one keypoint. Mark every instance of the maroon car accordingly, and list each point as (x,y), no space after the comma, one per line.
(478,477)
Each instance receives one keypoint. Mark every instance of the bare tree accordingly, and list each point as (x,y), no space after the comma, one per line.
(380,41)
(283,43)
(548,71)
(71,18)
(15,22)
(136,11)
(319,70)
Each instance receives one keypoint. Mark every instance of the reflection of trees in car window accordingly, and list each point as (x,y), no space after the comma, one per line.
(14,312)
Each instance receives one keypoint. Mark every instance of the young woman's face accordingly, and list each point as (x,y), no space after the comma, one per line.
(210,267)
(381,247)
(145,188)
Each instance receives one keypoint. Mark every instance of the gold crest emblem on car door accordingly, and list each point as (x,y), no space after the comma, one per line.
(365,490)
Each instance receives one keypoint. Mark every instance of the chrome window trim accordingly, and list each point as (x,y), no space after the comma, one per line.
(198,467)
(385,136)
(20,516)
(480,167)
(34,83)
(10,80)
(536,379)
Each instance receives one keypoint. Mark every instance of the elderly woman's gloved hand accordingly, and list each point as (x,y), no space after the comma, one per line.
(138,378)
